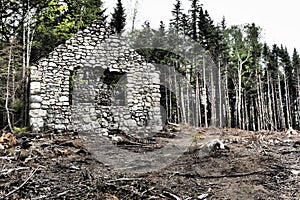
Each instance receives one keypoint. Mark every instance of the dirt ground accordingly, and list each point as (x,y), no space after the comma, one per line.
(253,165)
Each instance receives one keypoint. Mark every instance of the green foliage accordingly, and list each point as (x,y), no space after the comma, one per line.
(196,137)
(118,20)
(9,22)
(17,105)
(17,130)
(60,20)
(243,43)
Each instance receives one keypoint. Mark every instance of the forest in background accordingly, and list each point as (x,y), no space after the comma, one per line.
(257,85)
(29,30)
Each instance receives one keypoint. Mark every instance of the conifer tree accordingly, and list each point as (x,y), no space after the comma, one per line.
(118,20)
(202,26)
(143,37)
(177,14)
(185,24)
(159,36)
(194,13)
(289,86)
(296,66)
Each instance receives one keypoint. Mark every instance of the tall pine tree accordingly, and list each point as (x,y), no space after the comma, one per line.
(194,13)
(177,16)
(118,20)
(296,66)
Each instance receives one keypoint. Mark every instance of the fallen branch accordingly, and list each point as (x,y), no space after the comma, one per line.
(173,124)
(127,143)
(236,175)
(286,167)
(28,178)
(62,193)
(8,171)
(52,197)
(289,152)
(7,158)
(225,175)
(142,194)
(171,195)
(124,179)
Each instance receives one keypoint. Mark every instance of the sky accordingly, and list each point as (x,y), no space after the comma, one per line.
(279,19)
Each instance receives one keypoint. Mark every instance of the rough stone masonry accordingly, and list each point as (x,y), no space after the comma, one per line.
(94,82)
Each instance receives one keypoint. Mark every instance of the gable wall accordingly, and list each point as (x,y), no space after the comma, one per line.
(91,51)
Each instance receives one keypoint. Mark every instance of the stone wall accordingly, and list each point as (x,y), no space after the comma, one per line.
(68,89)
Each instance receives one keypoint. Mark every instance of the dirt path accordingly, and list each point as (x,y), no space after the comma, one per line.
(260,165)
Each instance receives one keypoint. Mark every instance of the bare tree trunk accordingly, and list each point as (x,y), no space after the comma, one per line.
(220,95)
(270,116)
(24,65)
(213,99)
(243,113)
(166,98)
(287,97)
(183,113)
(236,120)
(254,107)
(188,104)
(298,100)
(282,115)
(13,87)
(204,92)
(240,70)
(258,114)
(239,99)
(274,105)
(24,61)
(267,119)
(8,89)
(134,15)
(28,34)
(260,103)
(176,93)
(228,109)
(170,94)
(197,106)
(200,103)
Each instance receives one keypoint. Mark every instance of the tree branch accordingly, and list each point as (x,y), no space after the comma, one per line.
(28,178)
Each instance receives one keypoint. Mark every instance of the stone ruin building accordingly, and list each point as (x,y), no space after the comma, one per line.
(96,82)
